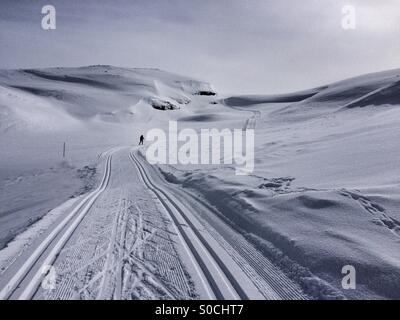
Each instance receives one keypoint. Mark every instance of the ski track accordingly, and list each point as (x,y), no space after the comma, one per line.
(271,282)
(54,241)
(123,250)
(250,122)
(269,279)
(132,238)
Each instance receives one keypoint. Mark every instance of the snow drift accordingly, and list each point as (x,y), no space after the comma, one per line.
(325,191)
(89,108)
(82,94)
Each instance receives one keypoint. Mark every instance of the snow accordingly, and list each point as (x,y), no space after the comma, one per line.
(24,240)
(91,109)
(326,182)
(324,193)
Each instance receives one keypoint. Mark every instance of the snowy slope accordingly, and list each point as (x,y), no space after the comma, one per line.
(246,100)
(325,191)
(91,109)
(371,89)
(104,93)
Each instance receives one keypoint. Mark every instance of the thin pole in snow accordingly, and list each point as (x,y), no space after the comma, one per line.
(64,150)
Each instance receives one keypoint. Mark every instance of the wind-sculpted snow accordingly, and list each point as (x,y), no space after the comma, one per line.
(70,79)
(324,192)
(373,89)
(386,95)
(345,91)
(88,93)
(247,100)
(90,109)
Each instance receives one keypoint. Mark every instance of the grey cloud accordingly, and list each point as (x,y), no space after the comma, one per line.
(252,46)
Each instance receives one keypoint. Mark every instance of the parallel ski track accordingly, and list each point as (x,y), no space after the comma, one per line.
(281,285)
(218,274)
(276,285)
(46,253)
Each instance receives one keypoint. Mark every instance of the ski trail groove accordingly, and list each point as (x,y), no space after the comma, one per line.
(281,286)
(64,229)
(221,277)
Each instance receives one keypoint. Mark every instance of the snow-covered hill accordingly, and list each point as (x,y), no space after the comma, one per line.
(324,193)
(90,109)
(60,98)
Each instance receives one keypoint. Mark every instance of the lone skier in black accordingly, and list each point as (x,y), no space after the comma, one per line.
(141,140)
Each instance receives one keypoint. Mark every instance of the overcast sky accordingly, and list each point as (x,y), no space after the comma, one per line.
(240,46)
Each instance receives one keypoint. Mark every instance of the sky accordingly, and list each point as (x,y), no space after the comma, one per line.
(240,47)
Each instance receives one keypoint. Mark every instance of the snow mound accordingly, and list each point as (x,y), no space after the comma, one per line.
(344,92)
(54,98)
(387,95)
(372,89)
(246,100)
(325,188)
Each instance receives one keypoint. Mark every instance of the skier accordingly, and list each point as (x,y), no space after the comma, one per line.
(141,140)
